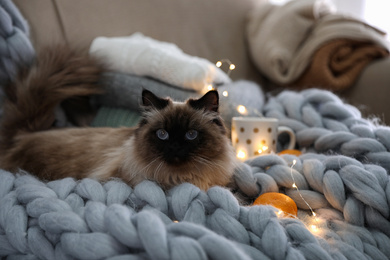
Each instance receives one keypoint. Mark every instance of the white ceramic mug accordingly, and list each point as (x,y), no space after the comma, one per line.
(253,136)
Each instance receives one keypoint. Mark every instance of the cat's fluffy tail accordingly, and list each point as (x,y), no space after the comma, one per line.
(57,74)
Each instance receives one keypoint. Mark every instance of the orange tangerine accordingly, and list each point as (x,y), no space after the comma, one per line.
(279,201)
(291,151)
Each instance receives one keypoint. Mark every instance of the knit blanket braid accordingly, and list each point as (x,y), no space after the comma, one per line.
(67,219)
(349,192)
(15,49)
(324,123)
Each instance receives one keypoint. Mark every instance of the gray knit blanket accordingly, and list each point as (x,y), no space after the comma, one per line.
(16,49)
(342,176)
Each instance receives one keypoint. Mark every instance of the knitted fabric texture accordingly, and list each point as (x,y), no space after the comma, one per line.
(15,47)
(68,219)
(144,56)
(115,117)
(324,124)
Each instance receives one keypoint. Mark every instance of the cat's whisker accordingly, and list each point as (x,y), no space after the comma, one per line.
(200,160)
(210,164)
(158,168)
(203,159)
(196,166)
(146,168)
(204,162)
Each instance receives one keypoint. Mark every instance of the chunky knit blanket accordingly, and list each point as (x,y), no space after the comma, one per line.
(342,176)
(16,49)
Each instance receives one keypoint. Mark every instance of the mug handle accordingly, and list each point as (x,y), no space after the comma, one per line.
(291,134)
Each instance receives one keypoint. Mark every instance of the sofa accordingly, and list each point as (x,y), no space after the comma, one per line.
(338,175)
(211,30)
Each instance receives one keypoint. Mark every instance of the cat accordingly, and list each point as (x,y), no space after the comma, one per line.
(174,142)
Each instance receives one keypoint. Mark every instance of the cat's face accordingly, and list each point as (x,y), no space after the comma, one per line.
(183,142)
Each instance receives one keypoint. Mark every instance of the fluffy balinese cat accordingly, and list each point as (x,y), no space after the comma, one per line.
(175,142)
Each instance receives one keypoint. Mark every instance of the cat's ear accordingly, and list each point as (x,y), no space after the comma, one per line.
(151,100)
(209,102)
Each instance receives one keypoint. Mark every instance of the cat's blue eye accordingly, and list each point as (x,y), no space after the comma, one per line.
(191,135)
(162,134)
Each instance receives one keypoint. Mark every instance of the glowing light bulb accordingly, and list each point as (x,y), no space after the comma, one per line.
(242,109)
(313,228)
(225,93)
(294,185)
(264,148)
(210,87)
(231,65)
(241,154)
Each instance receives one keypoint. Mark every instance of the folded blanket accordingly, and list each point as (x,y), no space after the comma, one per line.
(123,91)
(115,117)
(283,39)
(337,64)
(144,56)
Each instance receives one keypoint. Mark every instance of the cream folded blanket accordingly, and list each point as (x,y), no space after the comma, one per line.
(143,56)
(283,39)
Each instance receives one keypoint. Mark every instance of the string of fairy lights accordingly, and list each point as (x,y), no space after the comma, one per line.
(314,222)
(240,108)
(313,226)
(231,68)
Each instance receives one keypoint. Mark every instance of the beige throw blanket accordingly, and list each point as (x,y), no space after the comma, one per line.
(337,64)
(285,40)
